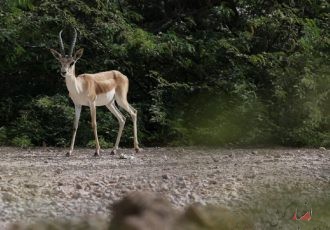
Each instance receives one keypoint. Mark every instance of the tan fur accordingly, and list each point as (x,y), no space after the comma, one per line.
(103,82)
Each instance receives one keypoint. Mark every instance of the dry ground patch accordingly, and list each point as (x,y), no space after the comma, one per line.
(42,183)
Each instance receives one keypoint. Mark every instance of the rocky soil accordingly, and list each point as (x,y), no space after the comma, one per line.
(42,183)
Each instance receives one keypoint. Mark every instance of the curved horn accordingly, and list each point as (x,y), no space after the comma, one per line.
(61,42)
(73,42)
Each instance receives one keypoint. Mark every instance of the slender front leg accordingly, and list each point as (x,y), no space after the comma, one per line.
(77,109)
(94,125)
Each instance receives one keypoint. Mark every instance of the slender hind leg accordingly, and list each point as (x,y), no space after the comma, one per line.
(75,127)
(122,102)
(121,119)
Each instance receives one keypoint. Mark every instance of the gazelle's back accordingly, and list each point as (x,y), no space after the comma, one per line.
(102,86)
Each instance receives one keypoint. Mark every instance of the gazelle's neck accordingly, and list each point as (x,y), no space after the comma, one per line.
(72,83)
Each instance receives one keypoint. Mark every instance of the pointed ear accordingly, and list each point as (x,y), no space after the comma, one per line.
(78,54)
(56,54)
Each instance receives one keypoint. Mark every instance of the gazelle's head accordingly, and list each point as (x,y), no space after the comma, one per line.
(67,61)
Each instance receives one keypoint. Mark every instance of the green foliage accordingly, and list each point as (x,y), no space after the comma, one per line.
(103,143)
(201,72)
(44,120)
(22,141)
(3,136)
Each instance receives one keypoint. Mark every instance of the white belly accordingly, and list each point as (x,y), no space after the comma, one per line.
(101,99)
(105,98)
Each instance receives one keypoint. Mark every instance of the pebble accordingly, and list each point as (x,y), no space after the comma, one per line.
(20,209)
(78,186)
(8,197)
(52,214)
(7,189)
(213,182)
(96,183)
(60,183)
(123,156)
(31,186)
(76,195)
(165,176)
(164,187)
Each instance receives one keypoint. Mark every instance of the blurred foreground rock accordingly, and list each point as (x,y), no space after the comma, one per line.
(150,211)
(142,211)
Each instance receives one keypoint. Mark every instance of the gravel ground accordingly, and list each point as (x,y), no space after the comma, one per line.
(42,183)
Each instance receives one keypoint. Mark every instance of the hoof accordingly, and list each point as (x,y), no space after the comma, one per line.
(68,154)
(96,154)
(113,152)
(138,150)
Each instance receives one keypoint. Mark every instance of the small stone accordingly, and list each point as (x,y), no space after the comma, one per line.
(76,195)
(123,156)
(322,148)
(7,189)
(112,181)
(52,214)
(20,209)
(254,152)
(78,186)
(122,177)
(194,197)
(239,179)
(165,176)
(130,186)
(88,187)
(9,197)
(164,187)
(251,175)
(210,175)
(95,183)
(215,159)
(60,183)
(31,186)
(212,182)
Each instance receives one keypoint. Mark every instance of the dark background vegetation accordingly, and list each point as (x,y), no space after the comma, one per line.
(202,72)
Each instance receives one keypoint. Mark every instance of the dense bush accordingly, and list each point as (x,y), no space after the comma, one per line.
(201,72)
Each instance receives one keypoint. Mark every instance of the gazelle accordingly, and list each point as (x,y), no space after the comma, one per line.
(93,90)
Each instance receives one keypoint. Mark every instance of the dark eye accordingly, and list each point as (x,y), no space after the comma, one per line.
(71,64)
